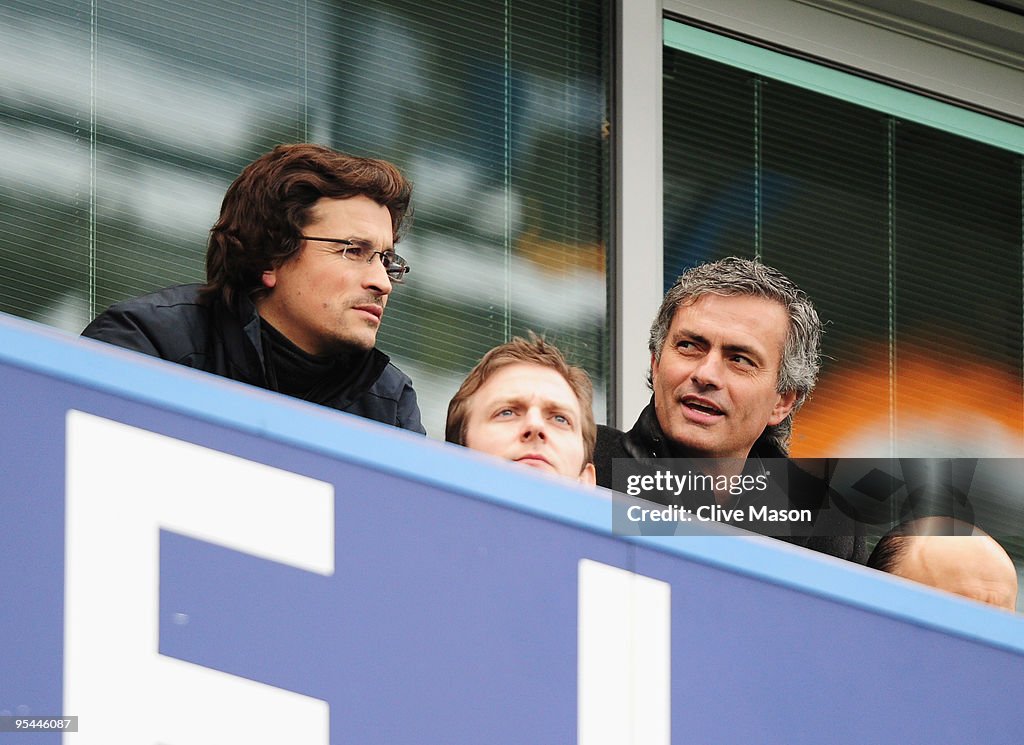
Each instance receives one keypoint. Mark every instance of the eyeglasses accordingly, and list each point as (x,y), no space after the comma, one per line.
(395,266)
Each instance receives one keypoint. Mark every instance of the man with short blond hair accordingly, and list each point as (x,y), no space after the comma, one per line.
(525,403)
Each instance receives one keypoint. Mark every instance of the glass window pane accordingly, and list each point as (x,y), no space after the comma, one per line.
(957,229)
(114,171)
(824,221)
(44,147)
(709,156)
(908,239)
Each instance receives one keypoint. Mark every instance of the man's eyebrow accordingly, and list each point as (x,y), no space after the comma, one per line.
(505,401)
(743,349)
(547,404)
(564,406)
(731,348)
(687,334)
(681,333)
(367,243)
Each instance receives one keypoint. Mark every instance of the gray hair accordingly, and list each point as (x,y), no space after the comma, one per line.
(801,356)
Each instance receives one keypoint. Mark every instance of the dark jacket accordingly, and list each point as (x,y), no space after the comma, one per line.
(834,532)
(172,324)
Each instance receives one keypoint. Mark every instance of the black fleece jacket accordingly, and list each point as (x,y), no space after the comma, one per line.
(834,532)
(175,325)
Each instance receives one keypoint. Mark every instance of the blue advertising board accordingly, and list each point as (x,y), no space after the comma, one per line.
(190,560)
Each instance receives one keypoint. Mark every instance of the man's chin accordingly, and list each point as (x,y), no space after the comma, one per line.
(691,442)
(355,344)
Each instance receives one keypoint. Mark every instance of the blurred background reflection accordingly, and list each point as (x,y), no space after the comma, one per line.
(122,123)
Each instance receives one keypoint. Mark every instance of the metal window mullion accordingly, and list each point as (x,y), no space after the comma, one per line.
(638,236)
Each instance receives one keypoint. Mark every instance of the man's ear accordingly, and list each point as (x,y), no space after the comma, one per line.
(654,367)
(785,404)
(588,475)
(269,278)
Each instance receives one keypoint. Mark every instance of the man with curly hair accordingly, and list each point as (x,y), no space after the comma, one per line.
(299,269)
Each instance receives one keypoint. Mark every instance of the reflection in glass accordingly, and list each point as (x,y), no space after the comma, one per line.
(908,239)
(114,172)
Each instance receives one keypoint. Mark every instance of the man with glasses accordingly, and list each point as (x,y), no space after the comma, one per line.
(299,269)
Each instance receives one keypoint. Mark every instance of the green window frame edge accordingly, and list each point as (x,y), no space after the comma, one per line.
(844,86)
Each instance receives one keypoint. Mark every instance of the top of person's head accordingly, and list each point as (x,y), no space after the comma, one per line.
(535,351)
(267,206)
(732,276)
(951,555)
(892,547)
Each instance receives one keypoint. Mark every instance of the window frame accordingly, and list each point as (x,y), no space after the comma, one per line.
(880,64)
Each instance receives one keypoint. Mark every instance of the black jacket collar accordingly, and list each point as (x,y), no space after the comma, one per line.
(646,440)
(242,333)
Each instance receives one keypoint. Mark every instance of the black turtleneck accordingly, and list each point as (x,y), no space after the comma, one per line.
(295,372)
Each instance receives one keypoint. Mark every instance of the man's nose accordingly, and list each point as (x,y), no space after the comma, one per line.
(708,370)
(533,424)
(376,277)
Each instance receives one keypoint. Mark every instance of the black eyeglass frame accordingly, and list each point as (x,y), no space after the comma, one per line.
(395,266)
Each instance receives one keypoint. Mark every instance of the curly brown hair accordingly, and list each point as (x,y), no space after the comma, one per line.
(268,205)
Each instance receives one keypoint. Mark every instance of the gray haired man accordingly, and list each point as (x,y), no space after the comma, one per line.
(735,352)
